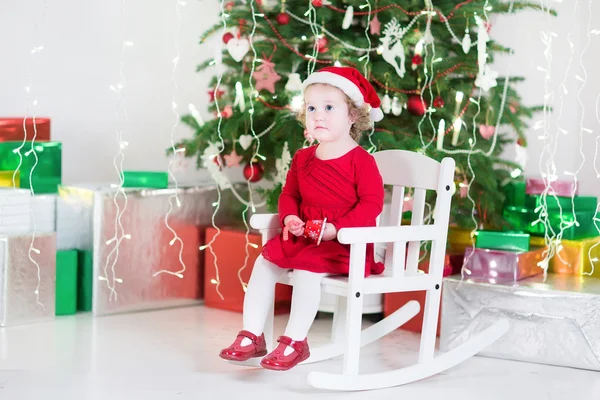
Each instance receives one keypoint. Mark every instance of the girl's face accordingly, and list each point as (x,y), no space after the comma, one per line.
(327,114)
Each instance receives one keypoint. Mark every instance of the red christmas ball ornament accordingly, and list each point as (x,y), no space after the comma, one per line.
(283,18)
(322,43)
(227,37)
(317,3)
(254,171)
(217,160)
(417,59)
(438,102)
(415,105)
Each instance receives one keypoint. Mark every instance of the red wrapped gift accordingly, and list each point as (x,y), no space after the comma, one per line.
(11,129)
(556,188)
(230,249)
(394,301)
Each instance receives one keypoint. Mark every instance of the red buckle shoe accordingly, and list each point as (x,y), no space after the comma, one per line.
(276,360)
(237,352)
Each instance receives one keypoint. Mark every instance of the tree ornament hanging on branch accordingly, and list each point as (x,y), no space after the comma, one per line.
(466,42)
(393,34)
(396,106)
(282,18)
(238,47)
(375,26)
(253,171)
(294,83)
(348,17)
(266,76)
(416,105)
(486,77)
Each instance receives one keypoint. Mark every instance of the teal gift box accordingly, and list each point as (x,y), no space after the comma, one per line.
(47,173)
(145,179)
(509,241)
(527,220)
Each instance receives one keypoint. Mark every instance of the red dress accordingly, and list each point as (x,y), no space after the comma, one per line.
(348,191)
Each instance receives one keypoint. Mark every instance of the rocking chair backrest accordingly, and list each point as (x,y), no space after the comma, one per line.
(405,169)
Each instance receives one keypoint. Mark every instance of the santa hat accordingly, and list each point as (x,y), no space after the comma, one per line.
(352,83)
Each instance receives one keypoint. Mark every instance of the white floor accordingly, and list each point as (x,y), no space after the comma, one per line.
(173,354)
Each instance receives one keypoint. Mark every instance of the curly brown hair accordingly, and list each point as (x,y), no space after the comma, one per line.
(361,116)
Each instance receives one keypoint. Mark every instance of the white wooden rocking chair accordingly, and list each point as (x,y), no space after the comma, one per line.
(401,169)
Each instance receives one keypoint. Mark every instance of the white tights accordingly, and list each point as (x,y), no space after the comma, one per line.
(260,295)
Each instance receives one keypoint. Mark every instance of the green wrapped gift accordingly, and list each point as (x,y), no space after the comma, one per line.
(581,203)
(146,179)
(515,194)
(85,280)
(510,241)
(47,173)
(524,220)
(66,282)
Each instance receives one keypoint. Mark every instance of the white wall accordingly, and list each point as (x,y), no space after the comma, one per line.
(523,33)
(81,56)
(81,59)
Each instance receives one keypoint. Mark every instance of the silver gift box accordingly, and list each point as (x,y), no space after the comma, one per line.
(27,288)
(554,321)
(139,262)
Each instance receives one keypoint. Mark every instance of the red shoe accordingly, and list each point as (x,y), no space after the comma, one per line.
(277,361)
(237,352)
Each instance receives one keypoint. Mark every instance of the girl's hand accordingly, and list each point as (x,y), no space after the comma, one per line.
(330,232)
(294,224)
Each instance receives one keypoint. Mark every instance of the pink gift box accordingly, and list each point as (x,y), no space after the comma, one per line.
(557,188)
(502,266)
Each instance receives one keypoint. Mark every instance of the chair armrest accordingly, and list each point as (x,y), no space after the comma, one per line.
(386,234)
(265,221)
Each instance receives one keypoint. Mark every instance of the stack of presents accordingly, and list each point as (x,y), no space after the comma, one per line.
(94,247)
(541,274)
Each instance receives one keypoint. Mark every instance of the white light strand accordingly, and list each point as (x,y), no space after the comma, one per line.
(551,240)
(472,143)
(314,27)
(250,204)
(119,235)
(175,196)
(31,107)
(582,129)
(429,75)
(217,280)
(367,56)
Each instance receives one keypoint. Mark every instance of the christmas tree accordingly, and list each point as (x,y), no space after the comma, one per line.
(432,65)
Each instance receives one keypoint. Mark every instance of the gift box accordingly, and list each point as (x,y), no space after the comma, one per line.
(7,177)
(15,217)
(552,203)
(577,257)
(27,279)
(459,239)
(514,193)
(47,173)
(66,282)
(145,179)
(496,266)
(394,301)
(147,269)
(511,241)
(526,220)
(557,188)
(227,292)
(25,213)
(554,321)
(85,278)
(11,129)
(74,216)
